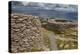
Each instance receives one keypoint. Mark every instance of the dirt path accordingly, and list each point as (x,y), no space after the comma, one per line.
(53,44)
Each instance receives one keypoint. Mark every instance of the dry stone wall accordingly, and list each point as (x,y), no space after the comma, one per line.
(25,33)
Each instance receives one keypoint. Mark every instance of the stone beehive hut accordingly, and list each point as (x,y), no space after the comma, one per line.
(25,33)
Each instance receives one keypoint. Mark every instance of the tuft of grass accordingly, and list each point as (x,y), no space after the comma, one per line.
(66,44)
(36,49)
(45,34)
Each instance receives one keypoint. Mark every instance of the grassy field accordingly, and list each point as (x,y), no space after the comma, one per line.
(69,33)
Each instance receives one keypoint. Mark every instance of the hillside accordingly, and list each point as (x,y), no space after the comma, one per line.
(31,33)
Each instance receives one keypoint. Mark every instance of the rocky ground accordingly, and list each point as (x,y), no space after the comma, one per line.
(28,33)
(25,33)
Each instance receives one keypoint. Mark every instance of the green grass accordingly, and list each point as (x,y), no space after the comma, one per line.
(45,34)
(66,44)
(36,49)
(68,33)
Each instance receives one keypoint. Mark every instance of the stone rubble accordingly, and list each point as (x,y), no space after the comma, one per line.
(25,34)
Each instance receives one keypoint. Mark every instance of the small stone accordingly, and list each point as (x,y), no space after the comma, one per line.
(15,16)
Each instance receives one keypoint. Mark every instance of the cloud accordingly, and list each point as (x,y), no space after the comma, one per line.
(68,8)
(25,3)
(47,6)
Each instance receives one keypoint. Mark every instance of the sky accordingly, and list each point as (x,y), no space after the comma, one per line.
(58,7)
(49,6)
